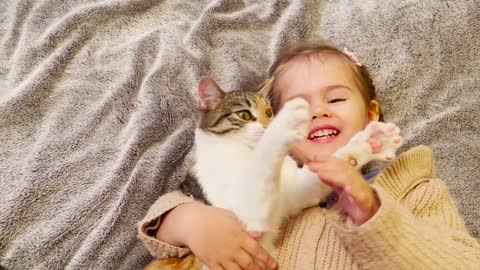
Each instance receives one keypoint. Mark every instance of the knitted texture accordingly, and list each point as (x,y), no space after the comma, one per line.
(416,227)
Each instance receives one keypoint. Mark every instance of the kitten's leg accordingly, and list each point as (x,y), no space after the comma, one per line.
(288,127)
(302,188)
(378,141)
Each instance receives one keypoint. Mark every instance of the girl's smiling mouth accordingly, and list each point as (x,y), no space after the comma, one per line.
(323,134)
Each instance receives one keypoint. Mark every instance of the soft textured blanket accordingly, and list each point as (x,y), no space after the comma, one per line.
(97,104)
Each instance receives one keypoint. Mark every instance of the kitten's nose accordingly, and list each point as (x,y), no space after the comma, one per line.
(264,121)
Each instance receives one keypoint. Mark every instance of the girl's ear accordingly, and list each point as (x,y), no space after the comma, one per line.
(209,93)
(373,110)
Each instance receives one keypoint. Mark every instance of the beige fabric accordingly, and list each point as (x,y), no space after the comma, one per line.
(149,224)
(416,227)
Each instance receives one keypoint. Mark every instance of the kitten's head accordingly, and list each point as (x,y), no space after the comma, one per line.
(243,115)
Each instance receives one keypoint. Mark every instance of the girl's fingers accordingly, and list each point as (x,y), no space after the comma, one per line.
(247,262)
(253,248)
(318,167)
(340,179)
(357,198)
(362,197)
(329,176)
(326,164)
(332,183)
(256,235)
(231,266)
(317,158)
(216,267)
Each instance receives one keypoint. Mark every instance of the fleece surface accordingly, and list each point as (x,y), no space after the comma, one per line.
(97,104)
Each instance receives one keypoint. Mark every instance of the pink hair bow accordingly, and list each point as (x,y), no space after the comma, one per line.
(352,56)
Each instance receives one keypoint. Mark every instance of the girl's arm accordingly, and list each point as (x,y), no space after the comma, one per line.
(417,225)
(148,227)
(214,235)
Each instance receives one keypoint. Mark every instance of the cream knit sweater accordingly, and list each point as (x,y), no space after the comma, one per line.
(416,227)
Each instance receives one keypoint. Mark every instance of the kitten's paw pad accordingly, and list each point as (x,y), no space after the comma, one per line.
(378,141)
(384,140)
(297,119)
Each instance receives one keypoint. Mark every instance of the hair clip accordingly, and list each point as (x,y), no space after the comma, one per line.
(352,56)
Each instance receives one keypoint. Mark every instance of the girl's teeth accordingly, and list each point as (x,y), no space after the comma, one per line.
(326,132)
(323,133)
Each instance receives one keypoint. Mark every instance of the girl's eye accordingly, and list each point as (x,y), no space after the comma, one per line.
(245,115)
(335,100)
(269,112)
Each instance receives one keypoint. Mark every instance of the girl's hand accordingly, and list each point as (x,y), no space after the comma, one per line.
(215,236)
(355,196)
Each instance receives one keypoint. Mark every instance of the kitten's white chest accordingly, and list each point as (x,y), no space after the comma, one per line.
(220,168)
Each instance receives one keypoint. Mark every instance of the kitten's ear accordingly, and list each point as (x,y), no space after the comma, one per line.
(209,93)
(265,89)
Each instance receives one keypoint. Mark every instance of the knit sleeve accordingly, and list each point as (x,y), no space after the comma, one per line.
(150,223)
(420,230)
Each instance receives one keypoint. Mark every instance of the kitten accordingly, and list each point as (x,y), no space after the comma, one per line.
(242,162)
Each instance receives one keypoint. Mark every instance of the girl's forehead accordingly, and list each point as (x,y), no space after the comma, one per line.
(318,62)
(315,69)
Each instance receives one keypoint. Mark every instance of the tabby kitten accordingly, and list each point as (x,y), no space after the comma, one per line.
(242,162)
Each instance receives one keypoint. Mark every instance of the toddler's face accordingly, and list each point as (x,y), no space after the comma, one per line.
(338,110)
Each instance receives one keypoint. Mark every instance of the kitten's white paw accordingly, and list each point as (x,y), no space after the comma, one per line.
(379,141)
(294,117)
(384,138)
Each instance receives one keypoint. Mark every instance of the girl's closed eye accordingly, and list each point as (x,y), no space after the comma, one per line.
(337,95)
(336,100)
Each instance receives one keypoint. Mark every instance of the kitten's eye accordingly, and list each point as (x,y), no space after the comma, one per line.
(337,100)
(269,112)
(245,115)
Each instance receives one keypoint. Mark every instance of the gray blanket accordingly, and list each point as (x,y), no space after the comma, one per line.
(97,104)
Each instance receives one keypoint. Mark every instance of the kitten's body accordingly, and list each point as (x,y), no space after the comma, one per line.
(261,185)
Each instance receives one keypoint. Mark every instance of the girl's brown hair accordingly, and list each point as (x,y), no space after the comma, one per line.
(306,50)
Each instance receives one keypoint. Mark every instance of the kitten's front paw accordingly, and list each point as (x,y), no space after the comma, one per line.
(384,138)
(294,119)
(378,141)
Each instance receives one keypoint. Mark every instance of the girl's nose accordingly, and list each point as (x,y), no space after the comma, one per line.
(319,109)
(323,115)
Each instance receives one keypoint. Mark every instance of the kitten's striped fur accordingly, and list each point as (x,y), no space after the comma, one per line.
(220,115)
